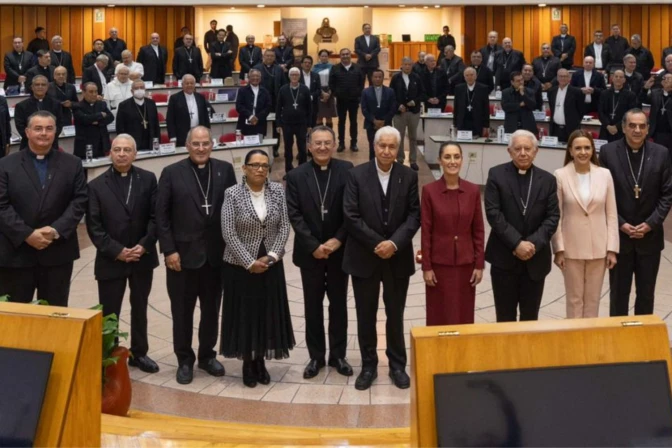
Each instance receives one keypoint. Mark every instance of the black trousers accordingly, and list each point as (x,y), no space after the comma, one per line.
(289,133)
(111,295)
(561,133)
(370,135)
(514,290)
(184,287)
(644,267)
(325,276)
(51,282)
(345,108)
(368,72)
(665,139)
(367,291)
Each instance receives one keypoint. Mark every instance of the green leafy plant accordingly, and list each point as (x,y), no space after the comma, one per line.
(111,337)
(4,298)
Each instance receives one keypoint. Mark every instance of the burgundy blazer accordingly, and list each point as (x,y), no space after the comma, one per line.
(442,242)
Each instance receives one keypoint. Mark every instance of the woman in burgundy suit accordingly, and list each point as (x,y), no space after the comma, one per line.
(452,242)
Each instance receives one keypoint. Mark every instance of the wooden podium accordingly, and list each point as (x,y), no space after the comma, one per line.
(71,411)
(520,345)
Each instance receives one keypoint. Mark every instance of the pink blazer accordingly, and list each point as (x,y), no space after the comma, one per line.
(586,231)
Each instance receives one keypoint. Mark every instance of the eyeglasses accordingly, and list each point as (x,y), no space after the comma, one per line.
(257,166)
(641,126)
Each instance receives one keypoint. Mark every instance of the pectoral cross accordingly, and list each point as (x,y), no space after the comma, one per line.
(190,60)
(323,211)
(295,105)
(637,191)
(144,123)
(663,110)
(469,108)
(206,206)
(612,115)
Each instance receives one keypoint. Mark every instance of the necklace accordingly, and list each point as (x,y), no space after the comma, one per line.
(637,190)
(188,54)
(614,106)
(295,99)
(323,211)
(59,59)
(143,115)
(529,190)
(130,188)
(544,67)
(506,58)
(470,98)
(663,109)
(205,193)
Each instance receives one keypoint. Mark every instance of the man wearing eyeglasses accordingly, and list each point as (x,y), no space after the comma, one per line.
(42,200)
(643,185)
(120,222)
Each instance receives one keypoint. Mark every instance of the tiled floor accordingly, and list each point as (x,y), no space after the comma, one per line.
(327,400)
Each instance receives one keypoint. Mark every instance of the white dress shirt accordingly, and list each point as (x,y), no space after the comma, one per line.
(383,177)
(306,80)
(584,187)
(156,49)
(598,55)
(406,79)
(559,115)
(586,76)
(136,67)
(255,90)
(103,82)
(193,109)
(117,92)
(368,40)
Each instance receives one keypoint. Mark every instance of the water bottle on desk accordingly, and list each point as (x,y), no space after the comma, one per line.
(155,146)
(22,90)
(89,153)
(500,134)
(239,137)
(211,95)
(452,133)
(170,80)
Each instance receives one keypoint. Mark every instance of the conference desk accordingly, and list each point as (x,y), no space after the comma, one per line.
(439,124)
(229,152)
(480,155)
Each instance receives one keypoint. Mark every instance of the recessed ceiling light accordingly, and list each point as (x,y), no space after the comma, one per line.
(110,6)
(437,6)
(542,5)
(366,6)
(402,6)
(233,7)
(261,6)
(425,7)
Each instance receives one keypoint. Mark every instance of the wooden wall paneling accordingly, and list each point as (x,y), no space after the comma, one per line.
(470,38)
(150,25)
(29,19)
(635,20)
(6,27)
(499,21)
(65,31)
(76,41)
(170,33)
(87,36)
(654,33)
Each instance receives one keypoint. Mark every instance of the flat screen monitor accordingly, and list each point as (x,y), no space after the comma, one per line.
(625,404)
(23,382)
(405,37)
(232,92)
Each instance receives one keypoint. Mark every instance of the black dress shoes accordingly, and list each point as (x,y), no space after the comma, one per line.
(144,363)
(313,368)
(354,148)
(185,374)
(341,366)
(249,374)
(213,367)
(341,148)
(365,379)
(414,166)
(263,377)
(400,379)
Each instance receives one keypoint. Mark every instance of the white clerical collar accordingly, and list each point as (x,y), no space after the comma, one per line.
(471,87)
(139,102)
(347,67)
(381,172)
(57,51)
(563,35)
(294,86)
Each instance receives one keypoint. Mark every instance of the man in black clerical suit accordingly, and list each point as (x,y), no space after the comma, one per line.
(521,205)
(614,103)
(188,60)
(410,95)
(65,94)
(591,82)
(62,58)
(43,68)
(489,52)
(532,83)
(453,66)
(91,57)
(43,199)
(634,82)
(186,110)
(17,63)
(518,103)
(154,58)
(312,81)
(346,82)
(546,67)
(37,101)
(293,117)
(249,56)
(507,61)
(98,75)
(444,40)
(91,119)
(114,46)
(419,65)
(563,47)
(284,54)
(435,84)
(5,127)
(643,183)
(471,109)
(566,104)
(253,105)
(191,193)
(221,54)
(618,44)
(121,224)
(315,207)
(138,117)
(367,48)
(382,214)
(661,114)
(600,52)
(483,74)
(234,44)
(644,57)
(379,104)
(40,42)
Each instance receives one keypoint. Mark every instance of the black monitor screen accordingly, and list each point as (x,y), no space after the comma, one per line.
(232,92)
(23,383)
(595,405)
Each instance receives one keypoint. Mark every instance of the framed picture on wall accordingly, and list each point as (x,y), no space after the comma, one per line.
(99,15)
(556,14)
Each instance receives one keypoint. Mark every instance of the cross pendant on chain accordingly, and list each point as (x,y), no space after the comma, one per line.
(469,108)
(663,110)
(206,206)
(323,211)
(637,190)
(295,105)
(612,115)
(144,124)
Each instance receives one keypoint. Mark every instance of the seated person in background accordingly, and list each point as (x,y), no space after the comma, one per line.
(119,89)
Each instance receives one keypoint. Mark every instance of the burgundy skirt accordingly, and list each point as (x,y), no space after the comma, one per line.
(451,301)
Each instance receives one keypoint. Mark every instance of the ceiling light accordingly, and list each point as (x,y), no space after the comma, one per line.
(402,6)
(233,7)
(542,5)
(425,7)
(110,6)
(437,6)
(366,6)
(261,6)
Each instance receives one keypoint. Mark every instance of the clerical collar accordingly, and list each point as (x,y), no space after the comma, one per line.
(665,93)
(201,166)
(633,150)
(294,87)
(521,171)
(563,35)
(120,174)
(320,167)
(47,155)
(57,51)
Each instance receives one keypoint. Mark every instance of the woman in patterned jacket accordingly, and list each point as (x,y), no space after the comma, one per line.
(256,322)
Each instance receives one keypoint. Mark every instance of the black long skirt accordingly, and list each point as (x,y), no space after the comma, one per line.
(256,322)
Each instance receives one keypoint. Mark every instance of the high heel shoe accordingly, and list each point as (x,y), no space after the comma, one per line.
(249,374)
(263,377)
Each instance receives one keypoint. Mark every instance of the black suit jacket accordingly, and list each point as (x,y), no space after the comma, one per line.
(248,59)
(606,56)
(362,209)
(129,120)
(515,113)
(114,48)
(361,49)
(303,207)
(245,109)
(507,64)
(61,94)
(272,79)
(284,56)
(26,206)
(29,106)
(645,60)
(221,65)
(435,85)
(36,70)
(596,82)
(178,120)
(182,225)
(91,128)
(454,70)
(12,70)
(371,111)
(657,100)
(114,225)
(481,108)
(5,126)
(504,212)
(655,197)
(634,84)
(414,92)
(315,88)
(568,47)
(90,59)
(545,70)
(486,51)
(64,59)
(155,67)
(91,75)
(573,108)
(181,65)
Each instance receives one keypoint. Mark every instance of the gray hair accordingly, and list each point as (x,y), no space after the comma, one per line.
(469,69)
(127,52)
(188,76)
(196,129)
(254,70)
(102,57)
(627,57)
(448,47)
(406,59)
(636,37)
(387,131)
(294,70)
(121,67)
(56,37)
(137,82)
(35,78)
(125,137)
(522,133)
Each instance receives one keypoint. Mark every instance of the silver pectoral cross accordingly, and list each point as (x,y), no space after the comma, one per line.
(144,124)
(323,211)
(612,115)
(469,108)
(663,110)
(295,105)
(206,206)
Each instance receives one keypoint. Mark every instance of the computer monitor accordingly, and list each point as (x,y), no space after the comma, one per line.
(625,404)
(23,382)
(405,37)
